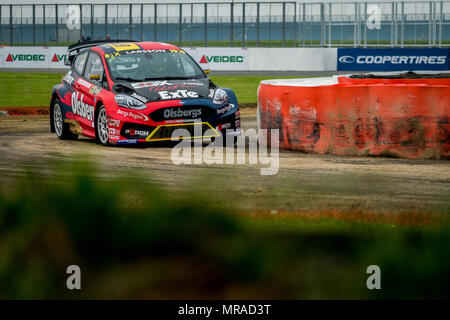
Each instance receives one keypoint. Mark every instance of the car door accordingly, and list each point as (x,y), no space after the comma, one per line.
(70,78)
(87,87)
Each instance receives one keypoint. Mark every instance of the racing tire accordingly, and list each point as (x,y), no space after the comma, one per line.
(62,129)
(101,127)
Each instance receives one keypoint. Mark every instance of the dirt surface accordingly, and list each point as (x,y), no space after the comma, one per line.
(25,111)
(304,182)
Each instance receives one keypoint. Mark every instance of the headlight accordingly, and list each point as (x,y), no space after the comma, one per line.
(220,96)
(129,102)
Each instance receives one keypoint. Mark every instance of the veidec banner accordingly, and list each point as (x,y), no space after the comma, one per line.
(33,57)
(220,58)
(392,59)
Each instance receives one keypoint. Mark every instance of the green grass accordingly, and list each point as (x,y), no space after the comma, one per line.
(19,89)
(245,87)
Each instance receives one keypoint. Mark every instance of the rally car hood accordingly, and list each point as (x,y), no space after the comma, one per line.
(163,90)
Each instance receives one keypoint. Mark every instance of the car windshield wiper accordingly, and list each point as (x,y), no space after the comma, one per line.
(171,78)
(129,79)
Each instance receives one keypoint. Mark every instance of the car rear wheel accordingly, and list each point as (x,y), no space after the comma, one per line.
(101,127)
(62,129)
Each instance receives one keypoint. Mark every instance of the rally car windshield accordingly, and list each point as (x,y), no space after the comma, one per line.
(153,66)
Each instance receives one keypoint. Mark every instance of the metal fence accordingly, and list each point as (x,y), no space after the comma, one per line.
(246,24)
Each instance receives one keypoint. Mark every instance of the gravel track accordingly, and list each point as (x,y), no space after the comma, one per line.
(304,182)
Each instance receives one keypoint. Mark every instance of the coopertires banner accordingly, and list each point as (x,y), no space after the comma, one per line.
(395,59)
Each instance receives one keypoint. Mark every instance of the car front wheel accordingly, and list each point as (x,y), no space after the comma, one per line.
(102,127)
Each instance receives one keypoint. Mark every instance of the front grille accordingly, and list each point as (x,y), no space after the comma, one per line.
(182,112)
(188,131)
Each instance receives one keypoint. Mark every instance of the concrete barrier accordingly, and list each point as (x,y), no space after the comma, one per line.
(407,118)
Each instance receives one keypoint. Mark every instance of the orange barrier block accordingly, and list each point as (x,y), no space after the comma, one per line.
(407,118)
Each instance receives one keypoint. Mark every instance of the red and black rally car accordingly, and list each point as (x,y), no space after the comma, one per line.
(132,92)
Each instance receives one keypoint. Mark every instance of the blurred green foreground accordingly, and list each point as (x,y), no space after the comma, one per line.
(133,240)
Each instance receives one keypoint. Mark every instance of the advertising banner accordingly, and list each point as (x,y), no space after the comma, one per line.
(394,59)
(33,57)
(292,59)
(220,58)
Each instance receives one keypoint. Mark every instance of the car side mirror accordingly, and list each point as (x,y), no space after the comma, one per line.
(207,71)
(94,77)
(67,62)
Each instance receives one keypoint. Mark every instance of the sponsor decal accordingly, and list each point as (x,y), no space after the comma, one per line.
(134,132)
(135,116)
(111,55)
(182,121)
(236,132)
(139,97)
(221,59)
(113,123)
(176,51)
(191,83)
(237,123)
(224,126)
(113,131)
(180,113)
(225,109)
(58,57)
(25,57)
(84,83)
(124,46)
(177,94)
(151,51)
(127,141)
(81,108)
(151,84)
(69,78)
(95,90)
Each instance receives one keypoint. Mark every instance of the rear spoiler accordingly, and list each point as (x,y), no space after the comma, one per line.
(73,49)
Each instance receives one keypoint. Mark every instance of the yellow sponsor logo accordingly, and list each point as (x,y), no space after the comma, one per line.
(95,90)
(111,55)
(124,46)
(176,51)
